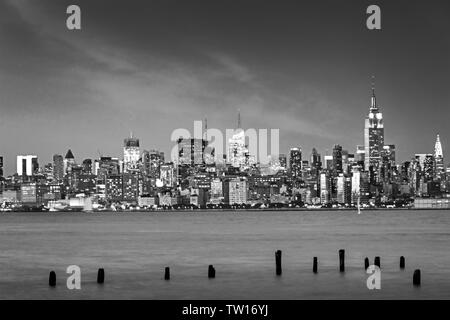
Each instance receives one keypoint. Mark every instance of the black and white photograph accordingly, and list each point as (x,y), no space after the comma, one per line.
(224,151)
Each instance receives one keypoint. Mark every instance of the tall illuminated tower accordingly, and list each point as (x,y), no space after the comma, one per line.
(237,149)
(373,135)
(131,154)
(439,160)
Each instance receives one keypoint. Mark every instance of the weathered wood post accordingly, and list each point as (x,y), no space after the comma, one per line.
(315,264)
(342,260)
(211,272)
(52,279)
(377,262)
(167,273)
(402,262)
(416,277)
(101,276)
(278,262)
(366,263)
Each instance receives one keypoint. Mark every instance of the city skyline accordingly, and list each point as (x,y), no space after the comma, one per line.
(300,68)
(139,151)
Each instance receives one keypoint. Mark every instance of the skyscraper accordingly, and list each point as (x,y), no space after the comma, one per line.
(439,160)
(131,154)
(337,159)
(27,165)
(235,191)
(167,175)
(69,161)
(316,163)
(152,161)
(58,167)
(1,167)
(283,160)
(191,151)
(238,153)
(373,135)
(87,166)
(295,162)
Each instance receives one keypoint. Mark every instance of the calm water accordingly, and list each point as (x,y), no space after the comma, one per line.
(134,248)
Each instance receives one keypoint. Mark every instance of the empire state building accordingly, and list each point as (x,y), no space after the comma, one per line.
(373,135)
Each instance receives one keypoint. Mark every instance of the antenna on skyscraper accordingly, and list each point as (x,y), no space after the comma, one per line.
(206,129)
(239,119)
(373,85)
(373,100)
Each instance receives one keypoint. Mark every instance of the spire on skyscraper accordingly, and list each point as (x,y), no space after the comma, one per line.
(206,129)
(373,101)
(239,119)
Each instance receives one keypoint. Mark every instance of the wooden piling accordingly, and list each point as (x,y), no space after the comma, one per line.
(402,262)
(315,264)
(377,262)
(278,262)
(366,263)
(416,277)
(167,273)
(52,279)
(101,276)
(211,272)
(342,260)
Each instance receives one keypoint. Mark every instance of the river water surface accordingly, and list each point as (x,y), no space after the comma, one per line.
(134,248)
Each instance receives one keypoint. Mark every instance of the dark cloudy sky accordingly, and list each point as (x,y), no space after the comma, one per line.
(153,66)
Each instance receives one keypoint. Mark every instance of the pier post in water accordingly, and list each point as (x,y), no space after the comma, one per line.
(342,260)
(167,273)
(377,262)
(278,262)
(366,263)
(101,276)
(402,262)
(211,272)
(416,277)
(315,264)
(52,279)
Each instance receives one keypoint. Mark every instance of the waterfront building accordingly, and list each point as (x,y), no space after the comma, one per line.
(113,188)
(360,186)
(343,189)
(235,190)
(325,187)
(216,191)
(130,186)
(28,194)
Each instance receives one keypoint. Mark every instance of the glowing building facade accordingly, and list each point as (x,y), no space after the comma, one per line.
(373,136)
